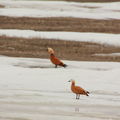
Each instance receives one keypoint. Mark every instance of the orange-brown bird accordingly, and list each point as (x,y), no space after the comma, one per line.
(54,59)
(78,90)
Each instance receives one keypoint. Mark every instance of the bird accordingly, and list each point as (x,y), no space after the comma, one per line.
(54,59)
(78,90)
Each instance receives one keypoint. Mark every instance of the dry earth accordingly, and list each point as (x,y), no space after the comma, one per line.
(69,50)
(61,24)
(2,6)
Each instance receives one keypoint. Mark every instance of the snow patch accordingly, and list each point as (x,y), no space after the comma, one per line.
(101,38)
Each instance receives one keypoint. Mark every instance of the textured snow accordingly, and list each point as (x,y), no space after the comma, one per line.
(33,89)
(60,9)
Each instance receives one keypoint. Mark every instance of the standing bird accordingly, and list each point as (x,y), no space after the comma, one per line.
(54,59)
(78,90)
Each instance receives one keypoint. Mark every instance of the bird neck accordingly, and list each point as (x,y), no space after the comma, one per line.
(52,55)
(73,84)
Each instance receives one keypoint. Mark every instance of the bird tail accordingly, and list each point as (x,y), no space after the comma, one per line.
(87,93)
(64,65)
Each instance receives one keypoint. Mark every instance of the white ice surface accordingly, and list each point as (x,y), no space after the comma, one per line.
(32,89)
(109,54)
(60,9)
(102,38)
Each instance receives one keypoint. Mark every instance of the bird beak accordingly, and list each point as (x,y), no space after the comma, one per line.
(70,80)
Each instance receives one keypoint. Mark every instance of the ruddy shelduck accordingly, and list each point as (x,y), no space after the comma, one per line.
(54,59)
(78,90)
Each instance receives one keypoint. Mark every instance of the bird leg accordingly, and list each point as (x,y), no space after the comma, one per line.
(77,96)
(55,66)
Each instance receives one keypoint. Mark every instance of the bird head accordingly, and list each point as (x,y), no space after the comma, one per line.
(71,80)
(50,51)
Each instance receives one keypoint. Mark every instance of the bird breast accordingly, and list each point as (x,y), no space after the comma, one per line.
(55,60)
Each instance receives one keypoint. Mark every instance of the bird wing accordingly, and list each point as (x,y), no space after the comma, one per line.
(56,61)
(80,90)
